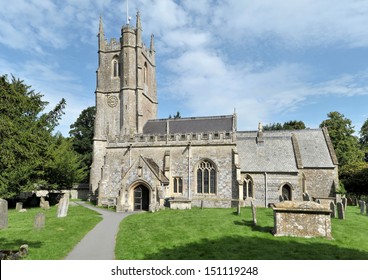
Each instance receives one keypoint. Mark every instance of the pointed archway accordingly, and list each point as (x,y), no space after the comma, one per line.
(141,198)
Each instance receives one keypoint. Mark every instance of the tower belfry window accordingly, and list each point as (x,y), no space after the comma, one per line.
(145,73)
(115,67)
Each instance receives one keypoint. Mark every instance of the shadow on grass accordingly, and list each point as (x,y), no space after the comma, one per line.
(15,244)
(255,248)
(254,227)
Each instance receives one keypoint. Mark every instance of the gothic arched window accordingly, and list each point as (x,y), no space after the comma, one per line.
(115,67)
(248,187)
(206,177)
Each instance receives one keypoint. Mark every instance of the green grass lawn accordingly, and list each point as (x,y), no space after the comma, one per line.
(210,234)
(56,239)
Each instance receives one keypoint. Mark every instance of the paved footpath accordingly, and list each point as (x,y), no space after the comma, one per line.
(99,243)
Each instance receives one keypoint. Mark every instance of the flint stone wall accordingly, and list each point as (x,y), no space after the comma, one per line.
(302,219)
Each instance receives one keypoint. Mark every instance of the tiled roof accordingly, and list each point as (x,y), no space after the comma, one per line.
(189,125)
(279,152)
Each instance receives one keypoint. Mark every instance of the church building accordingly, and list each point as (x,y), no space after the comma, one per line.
(144,163)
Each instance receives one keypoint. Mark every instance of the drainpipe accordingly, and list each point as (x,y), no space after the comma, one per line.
(266,198)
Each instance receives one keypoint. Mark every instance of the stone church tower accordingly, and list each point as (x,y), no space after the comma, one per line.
(144,163)
(126,94)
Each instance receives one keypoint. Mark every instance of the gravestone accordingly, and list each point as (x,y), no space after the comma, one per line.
(340,211)
(344,202)
(302,219)
(42,201)
(362,206)
(63,207)
(254,214)
(356,202)
(19,206)
(333,209)
(338,197)
(201,204)
(3,213)
(238,209)
(39,221)
(46,205)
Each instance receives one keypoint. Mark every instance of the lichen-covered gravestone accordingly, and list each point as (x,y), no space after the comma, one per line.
(344,202)
(3,213)
(63,207)
(254,214)
(302,219)
(333,209)
(238,209)
(19,206)
(340,211)
(39,221)
(362,207)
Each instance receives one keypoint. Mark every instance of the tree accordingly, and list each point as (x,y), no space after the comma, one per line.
(81,133)
(290,125)
(345,143)
(273,126)
(355,178)
(25,135)
(364,139)
(65,166)
(176,116)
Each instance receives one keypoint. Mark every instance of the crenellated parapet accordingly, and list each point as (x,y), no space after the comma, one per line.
(177,139)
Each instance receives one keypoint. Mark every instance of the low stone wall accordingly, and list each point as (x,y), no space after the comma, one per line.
(302,219)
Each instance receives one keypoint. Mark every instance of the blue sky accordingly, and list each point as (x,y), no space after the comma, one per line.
(271,60)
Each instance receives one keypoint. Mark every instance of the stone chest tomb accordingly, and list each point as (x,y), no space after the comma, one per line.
(302,219)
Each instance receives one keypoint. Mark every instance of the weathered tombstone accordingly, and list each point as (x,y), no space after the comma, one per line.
(19,206)
(254,214)
(46,205)
(201,204)
(340,211)
(39,221)
(63,207)
(338,197)
(332,208)
(42,202)
(356,202)
(350,201)
(3,213)
(362,206)
(238,209)
(344,202)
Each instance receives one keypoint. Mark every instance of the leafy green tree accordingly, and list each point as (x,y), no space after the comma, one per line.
(341,132)
(65,166)
(25,135)
(290,125)
(273,126)
(355,177)
(81,133)
(364,139)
